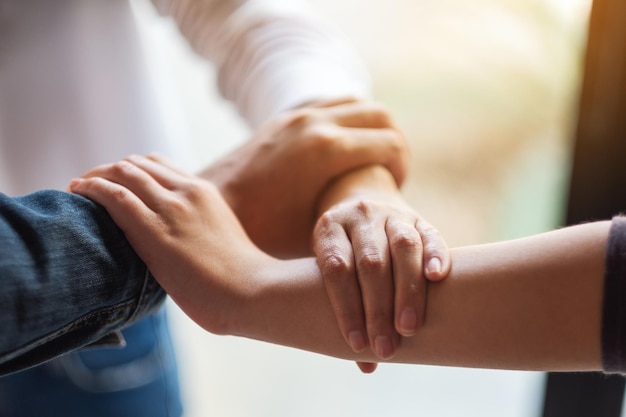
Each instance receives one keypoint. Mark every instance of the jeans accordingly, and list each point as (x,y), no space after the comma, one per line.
(70,280)
(138,381)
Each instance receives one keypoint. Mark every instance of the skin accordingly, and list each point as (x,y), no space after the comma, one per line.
(285,177)
(274,180)
(369,242)
(533,303)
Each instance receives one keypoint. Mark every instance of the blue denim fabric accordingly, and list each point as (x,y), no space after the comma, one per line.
(69,278)
(139,380)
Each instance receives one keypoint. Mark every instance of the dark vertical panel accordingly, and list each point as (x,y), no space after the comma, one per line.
(597,188)
(583,395)
(598,183)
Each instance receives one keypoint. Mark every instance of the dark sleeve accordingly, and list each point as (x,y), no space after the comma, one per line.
(68,278)
(614,310)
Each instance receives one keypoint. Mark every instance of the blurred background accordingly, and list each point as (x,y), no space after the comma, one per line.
(486,91)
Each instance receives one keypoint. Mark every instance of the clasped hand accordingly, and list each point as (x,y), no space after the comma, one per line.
(274,180)
(310,163)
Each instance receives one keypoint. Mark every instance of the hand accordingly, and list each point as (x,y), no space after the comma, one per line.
(185,232)
(371,248)
(274,180)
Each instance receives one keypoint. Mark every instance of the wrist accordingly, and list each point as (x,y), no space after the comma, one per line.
(370,182)
(222,299)
(259,292)
(266,312)
(223,175)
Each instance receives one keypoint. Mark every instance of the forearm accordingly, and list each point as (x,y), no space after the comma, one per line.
(69,278)
(368,181)
(533,303)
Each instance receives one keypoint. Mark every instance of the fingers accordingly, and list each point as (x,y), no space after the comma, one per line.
(320,104)
(386,147)
(354,260)
(161,170)
(131,177)
(367,367)
(385,141)
(437,258)
(368,135)
(370,122)
(124,207)
(354,112)
(166,162)
(336,262)
(410,288)
(373,265)
(372,256)
(363,114)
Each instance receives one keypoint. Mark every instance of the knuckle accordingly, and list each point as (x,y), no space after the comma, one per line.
(335,267)
(382,114)
(326,219)
(120,195)
(122,168)
(365,207)
(331,218)
(155,156)
(405,239)
(395,141)
(323,136)
(371,260)
(299,118)
(132,157)
(196,190)
(174,208)
(177,204)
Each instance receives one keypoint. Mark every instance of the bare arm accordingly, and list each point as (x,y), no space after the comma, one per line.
(532,303)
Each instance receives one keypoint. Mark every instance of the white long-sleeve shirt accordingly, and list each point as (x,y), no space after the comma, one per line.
(74,89)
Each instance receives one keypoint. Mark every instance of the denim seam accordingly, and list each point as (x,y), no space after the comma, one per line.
(6,357)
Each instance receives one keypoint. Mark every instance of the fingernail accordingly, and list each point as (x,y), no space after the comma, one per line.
(357,341)
(408,321)
(434,265)
(383,347)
